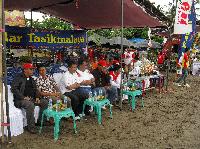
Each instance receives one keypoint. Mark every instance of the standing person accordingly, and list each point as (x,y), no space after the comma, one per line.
(69,85)
(160,60)
(185,66)
(102,81)
(26,95)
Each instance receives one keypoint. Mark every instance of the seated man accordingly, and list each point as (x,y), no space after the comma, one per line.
(102,81)
(47,85)
(69,85)
(26,95)
(115,75)
(85,76)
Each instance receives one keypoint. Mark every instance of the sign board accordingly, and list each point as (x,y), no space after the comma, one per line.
(24,37)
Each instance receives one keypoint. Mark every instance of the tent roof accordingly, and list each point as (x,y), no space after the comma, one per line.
(91,13)
(32,4)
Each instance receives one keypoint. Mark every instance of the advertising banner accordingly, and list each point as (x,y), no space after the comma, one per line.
(24,37)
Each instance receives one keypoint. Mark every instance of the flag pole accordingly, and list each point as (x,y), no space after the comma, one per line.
(121,51)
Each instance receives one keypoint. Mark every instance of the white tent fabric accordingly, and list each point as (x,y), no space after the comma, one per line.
(17,116)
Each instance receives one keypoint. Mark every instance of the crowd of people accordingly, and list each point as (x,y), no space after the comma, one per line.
(81,78)
(76,83)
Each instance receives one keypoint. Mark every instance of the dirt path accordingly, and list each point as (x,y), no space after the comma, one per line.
(167,121)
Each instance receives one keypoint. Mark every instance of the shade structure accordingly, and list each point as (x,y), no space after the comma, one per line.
(117,41)
(103,14)
(144,44)
(90,13)
(33,4)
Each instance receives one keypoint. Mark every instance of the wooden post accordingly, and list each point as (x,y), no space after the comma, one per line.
(1,70)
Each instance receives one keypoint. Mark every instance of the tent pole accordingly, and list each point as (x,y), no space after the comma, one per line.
(31,27)
(121,51)
(1,74)
(169,57)
(87,41)
(5,74)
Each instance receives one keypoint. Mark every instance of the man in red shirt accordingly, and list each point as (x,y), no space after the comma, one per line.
(185,65)
(160,60)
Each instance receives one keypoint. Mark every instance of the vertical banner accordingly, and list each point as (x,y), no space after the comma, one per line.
(188,38)
(182,24)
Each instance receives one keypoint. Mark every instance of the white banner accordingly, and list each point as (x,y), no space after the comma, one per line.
(196,68)
(182,24)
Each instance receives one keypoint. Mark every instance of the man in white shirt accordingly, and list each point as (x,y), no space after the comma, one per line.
(69,85)
(85,76)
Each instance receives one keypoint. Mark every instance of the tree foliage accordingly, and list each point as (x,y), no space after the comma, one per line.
(49,23)
(55,23)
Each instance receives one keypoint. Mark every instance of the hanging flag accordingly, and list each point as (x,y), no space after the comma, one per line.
(188,38)
(182,24)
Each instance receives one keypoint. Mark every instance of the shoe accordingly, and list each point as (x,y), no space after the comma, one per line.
(81,115)
(91,109)
(32,130)
(179,85)
(103,107)
(77,118)
(187,85)
(46,123)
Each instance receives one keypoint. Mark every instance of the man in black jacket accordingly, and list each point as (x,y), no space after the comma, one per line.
(26,95)
(103,81)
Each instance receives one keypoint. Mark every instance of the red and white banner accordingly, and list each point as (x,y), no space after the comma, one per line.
(182,24)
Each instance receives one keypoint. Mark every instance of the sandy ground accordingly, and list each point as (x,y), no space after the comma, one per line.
(170,120)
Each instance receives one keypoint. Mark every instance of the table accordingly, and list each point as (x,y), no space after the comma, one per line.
(152,81)
(97,107)
(57,117)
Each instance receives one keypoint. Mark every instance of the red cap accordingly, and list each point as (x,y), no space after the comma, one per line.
(102,63)
(28,66)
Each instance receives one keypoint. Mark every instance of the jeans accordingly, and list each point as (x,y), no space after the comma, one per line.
(183,76)
(84,90)
(77,99)
(111,92)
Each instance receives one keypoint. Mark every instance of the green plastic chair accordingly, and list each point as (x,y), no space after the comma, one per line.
(97,105)
(131,97)
(57,116)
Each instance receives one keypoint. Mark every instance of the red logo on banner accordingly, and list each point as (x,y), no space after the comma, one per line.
(183,13)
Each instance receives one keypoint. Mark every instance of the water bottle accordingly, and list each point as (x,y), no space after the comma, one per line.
(100,92)
(90,96)
(65,101)
(57,105)
(50,104)
(95,96)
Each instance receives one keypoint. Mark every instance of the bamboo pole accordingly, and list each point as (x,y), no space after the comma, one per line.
(1,72)
(4,66)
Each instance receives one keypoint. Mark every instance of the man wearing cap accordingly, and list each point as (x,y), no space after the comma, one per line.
(102,81)
(25,95)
